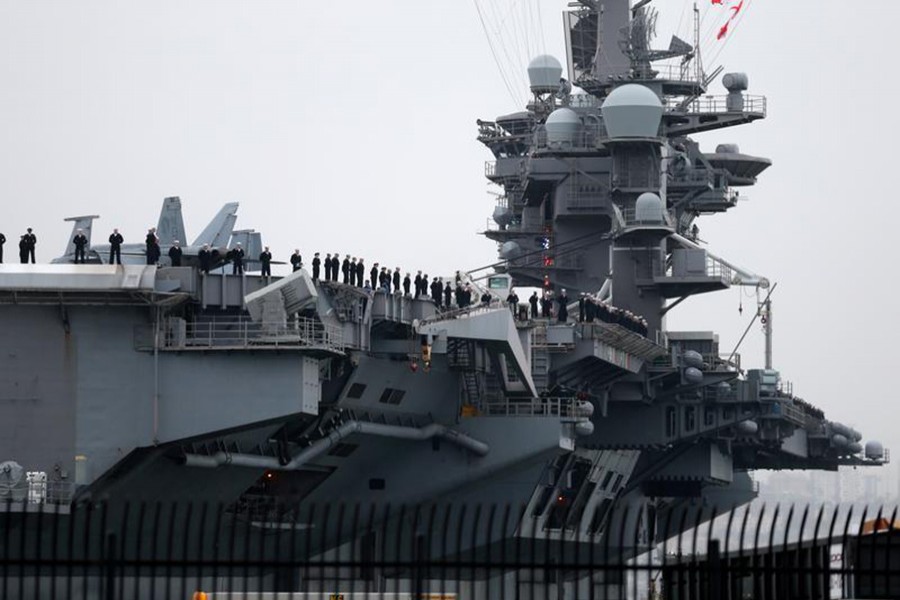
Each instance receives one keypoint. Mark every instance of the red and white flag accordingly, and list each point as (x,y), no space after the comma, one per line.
(735,7)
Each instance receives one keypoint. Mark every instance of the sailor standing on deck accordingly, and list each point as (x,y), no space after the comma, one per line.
(436,291)
(115,247)
(373,277)
(418,282)
(327,265)
(513,302)
(30,243)
(317,264)
(353,271)
(335,267)
(175,253)
(297,261)
(533,301)
(2,241)
(152,243)
(345,269)
(80,241)
(265,258)
(448,296)
(360,273)
(406,283)
(396,279)
(237,260)
(23,250)
(204,257)
(562,313)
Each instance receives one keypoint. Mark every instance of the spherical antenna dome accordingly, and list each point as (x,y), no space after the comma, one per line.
(728,149)
(510,250)
(874,450)
(649,209)
(502,216)
(632,110)
(562,127)
(544,73)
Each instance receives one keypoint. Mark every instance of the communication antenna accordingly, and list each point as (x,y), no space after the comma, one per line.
(698,59)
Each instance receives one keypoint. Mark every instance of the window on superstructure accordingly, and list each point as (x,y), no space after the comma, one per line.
(690,418)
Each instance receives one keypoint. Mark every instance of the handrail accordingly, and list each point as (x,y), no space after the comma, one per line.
(557,406)
(244,333)
(719,105)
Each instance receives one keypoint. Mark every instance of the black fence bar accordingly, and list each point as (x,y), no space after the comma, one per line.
(120,551)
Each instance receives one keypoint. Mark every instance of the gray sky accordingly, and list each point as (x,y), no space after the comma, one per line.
(351,128)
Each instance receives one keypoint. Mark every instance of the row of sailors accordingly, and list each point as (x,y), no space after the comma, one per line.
(591,309)
(353,273)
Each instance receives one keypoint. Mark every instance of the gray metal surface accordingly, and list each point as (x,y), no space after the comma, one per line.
(140,382)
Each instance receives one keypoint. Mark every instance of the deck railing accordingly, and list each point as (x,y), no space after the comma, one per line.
(241,332)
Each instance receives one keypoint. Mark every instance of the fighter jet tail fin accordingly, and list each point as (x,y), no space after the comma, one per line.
(171,223)
(218,232)
(250,241)
(84,222)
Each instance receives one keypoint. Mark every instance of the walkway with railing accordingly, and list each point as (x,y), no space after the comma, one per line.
(243,333)
(562,407)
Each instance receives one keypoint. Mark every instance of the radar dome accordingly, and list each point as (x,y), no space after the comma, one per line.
(502,216)
(632,110)
(649,209)
(562,127)
(584,428)
(874,450)
(748,427)
(728,149)
(693,375)
(544,73)
(510,250)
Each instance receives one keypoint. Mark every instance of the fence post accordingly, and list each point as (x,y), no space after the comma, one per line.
(109,567)
(714,563)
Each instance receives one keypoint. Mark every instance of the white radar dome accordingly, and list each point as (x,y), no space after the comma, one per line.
(632,110)
(728,149)
(874,450)
(562,127)
(544,73)
(648,208)
(502,216)
(510,250)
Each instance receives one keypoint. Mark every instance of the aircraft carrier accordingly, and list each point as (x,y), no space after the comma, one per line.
(139,384)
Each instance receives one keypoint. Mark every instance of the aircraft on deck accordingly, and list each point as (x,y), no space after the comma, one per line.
(219,234)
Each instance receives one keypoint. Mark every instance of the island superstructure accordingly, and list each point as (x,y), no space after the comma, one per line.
(137,383)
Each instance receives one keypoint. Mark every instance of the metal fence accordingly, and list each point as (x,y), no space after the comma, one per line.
(264,549)
(244,333)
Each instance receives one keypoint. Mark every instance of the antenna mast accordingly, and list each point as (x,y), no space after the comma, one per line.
(698,64)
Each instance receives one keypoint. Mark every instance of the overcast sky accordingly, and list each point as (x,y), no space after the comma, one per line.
(351,127)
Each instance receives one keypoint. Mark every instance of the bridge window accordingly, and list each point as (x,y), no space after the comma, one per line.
(690,418)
